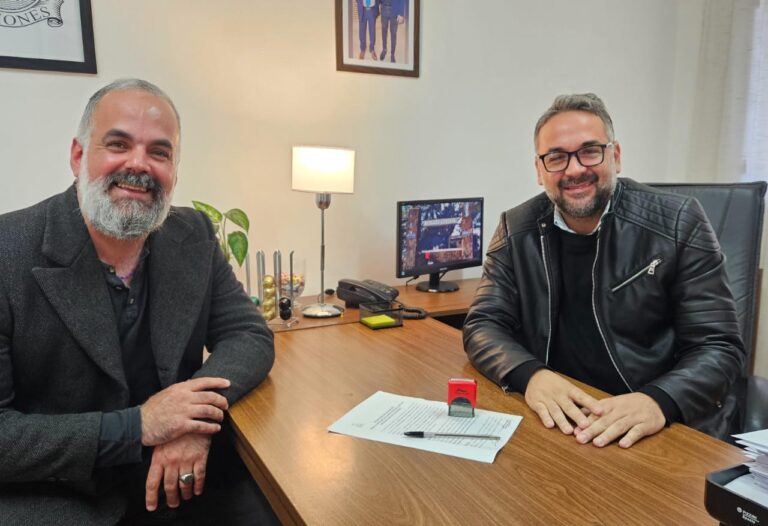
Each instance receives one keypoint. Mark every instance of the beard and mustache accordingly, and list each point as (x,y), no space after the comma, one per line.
(123,218)
(590,208)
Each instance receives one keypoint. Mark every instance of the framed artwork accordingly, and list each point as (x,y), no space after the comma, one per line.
(378,36)
(53,35)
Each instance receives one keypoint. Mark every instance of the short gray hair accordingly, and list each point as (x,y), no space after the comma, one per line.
(588,102)
(86,121)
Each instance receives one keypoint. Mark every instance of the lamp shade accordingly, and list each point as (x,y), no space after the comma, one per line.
(323,170)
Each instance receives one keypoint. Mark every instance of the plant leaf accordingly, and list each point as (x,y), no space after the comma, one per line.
(225,250)
(238,242)
(239,218)
(213,214)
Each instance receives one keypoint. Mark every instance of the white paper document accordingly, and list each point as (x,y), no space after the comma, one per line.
(754,485)
(384,417)
(756,440)
(749,487)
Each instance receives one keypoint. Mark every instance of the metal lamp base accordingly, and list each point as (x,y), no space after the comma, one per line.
(322,310)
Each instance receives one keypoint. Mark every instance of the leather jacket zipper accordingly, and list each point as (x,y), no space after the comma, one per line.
(549,297)
(650,270)
(594,312)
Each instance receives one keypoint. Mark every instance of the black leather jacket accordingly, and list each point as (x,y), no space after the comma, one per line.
(660,298)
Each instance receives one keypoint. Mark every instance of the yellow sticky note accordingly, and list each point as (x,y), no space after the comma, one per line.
(378,322)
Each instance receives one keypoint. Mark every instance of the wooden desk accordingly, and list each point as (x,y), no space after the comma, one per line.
(541,476)
(441,303)
(436,304)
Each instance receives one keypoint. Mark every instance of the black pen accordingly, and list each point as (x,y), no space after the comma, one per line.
(429,434)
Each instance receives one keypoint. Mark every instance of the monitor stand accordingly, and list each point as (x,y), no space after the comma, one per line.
(435,285)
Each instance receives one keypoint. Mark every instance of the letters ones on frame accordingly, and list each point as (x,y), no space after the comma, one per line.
(378,36)
(52,35)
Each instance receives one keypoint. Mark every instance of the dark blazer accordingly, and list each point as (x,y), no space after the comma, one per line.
(60,358)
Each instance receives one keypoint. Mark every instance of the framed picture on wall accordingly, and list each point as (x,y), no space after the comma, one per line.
(53,35)
(378,36)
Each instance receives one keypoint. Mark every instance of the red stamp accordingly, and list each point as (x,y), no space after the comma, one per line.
(462,397)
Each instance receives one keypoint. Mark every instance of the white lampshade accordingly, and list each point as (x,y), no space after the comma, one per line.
(323,170)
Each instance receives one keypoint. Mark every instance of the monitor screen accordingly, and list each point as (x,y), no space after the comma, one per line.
(436,236)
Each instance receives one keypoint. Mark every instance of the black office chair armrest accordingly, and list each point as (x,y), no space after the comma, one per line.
(756,404)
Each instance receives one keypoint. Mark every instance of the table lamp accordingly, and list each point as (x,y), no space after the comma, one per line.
(324,171)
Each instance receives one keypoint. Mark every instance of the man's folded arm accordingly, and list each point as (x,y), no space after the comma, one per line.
(36,447)
(710,350)
(517,380)
(241,345)
(492,321)
(665,402)
(120,438)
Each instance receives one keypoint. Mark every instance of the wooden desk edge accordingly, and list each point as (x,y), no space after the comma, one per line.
(277,498)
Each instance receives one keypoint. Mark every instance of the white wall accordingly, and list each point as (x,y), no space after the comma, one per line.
(251,78)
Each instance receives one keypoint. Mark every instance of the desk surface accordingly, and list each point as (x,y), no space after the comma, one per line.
(441,303)
(312,476)
(436,304)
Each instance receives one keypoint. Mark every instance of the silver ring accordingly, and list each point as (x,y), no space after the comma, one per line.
(187,478)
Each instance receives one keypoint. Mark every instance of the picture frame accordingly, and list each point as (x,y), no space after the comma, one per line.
(48,35)
(387,21)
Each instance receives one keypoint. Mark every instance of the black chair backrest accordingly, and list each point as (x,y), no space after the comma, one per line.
(736,213)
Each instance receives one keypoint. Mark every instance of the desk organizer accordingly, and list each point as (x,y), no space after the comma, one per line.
(381,315)
(728,507)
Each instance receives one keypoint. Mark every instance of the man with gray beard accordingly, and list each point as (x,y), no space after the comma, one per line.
(131,218)
(609,282)
(108,295)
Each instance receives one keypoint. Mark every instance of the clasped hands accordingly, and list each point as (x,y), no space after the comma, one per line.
(179,421)
(627,417)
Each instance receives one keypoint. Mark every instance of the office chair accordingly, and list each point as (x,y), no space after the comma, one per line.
(736,213)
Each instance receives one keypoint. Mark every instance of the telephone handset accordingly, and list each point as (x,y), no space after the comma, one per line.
(355,292)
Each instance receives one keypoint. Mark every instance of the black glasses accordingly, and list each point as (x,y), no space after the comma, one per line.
(587,156)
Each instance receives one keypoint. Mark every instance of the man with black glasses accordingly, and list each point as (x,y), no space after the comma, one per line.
(612,283)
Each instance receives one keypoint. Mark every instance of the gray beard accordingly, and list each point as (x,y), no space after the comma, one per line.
(126,218)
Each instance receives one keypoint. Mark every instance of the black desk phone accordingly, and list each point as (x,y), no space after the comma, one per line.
(354,292)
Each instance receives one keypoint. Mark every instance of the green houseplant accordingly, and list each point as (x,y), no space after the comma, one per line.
(232,243)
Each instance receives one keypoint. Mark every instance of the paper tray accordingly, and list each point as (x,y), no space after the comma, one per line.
(730,508)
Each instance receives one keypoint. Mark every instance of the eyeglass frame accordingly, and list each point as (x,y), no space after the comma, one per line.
(575,153)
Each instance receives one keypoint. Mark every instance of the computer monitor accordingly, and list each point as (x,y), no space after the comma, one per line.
(436,236)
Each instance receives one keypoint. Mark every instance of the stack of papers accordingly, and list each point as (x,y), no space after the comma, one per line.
(756,450)
(385,417)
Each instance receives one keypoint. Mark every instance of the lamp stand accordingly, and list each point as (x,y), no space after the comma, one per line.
(322,309)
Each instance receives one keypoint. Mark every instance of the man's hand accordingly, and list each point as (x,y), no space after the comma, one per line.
(175,410)
(634,415)
(555,399)
(186,454)
(400,19)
